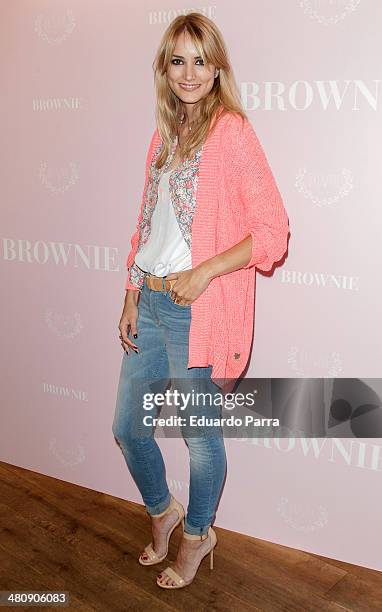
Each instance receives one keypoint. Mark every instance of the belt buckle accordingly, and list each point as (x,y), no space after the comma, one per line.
(148,280)
(163,282)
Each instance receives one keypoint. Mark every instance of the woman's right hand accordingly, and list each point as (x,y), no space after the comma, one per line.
(128,322)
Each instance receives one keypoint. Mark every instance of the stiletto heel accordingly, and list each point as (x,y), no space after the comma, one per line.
(179,581)
(153,558)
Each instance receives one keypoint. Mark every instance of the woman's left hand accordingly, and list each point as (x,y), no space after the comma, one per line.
(188,285)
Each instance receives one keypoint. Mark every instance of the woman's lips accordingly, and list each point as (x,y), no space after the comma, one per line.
(188,87)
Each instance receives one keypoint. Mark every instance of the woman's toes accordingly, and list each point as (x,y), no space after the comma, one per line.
(165,579)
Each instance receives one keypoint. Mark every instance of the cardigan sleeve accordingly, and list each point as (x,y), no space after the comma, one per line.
(135,276)
(266,219)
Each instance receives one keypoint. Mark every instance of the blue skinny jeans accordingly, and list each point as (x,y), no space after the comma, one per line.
(163,331)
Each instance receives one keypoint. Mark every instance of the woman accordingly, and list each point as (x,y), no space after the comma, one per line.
(211,213)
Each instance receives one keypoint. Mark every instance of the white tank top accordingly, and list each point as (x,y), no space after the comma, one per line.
(166,250)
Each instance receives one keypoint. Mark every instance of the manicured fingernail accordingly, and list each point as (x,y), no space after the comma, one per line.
(135,335)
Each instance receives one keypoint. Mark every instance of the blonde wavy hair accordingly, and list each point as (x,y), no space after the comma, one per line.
(224,96)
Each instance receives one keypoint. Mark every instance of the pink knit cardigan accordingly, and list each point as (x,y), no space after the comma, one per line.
(237,195)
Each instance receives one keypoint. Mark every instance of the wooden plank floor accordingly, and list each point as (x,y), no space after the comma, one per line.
(58,536)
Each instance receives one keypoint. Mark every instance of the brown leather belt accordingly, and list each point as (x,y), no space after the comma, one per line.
(158,283)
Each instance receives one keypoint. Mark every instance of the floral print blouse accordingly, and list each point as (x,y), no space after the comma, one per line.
(182,188)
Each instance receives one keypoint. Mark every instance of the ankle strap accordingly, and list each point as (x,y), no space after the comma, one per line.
(191,536)
(171,506)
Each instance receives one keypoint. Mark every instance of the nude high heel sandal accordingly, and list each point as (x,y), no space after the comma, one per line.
(153,558)
(179,581)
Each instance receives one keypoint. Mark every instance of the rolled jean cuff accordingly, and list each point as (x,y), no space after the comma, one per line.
(160,507)
(191,529)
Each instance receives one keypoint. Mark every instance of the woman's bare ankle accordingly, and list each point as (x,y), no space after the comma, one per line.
(160,527)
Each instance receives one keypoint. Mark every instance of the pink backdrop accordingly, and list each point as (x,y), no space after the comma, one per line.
(78,110)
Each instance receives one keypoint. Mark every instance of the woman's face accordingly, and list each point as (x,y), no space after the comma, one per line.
(186,68)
